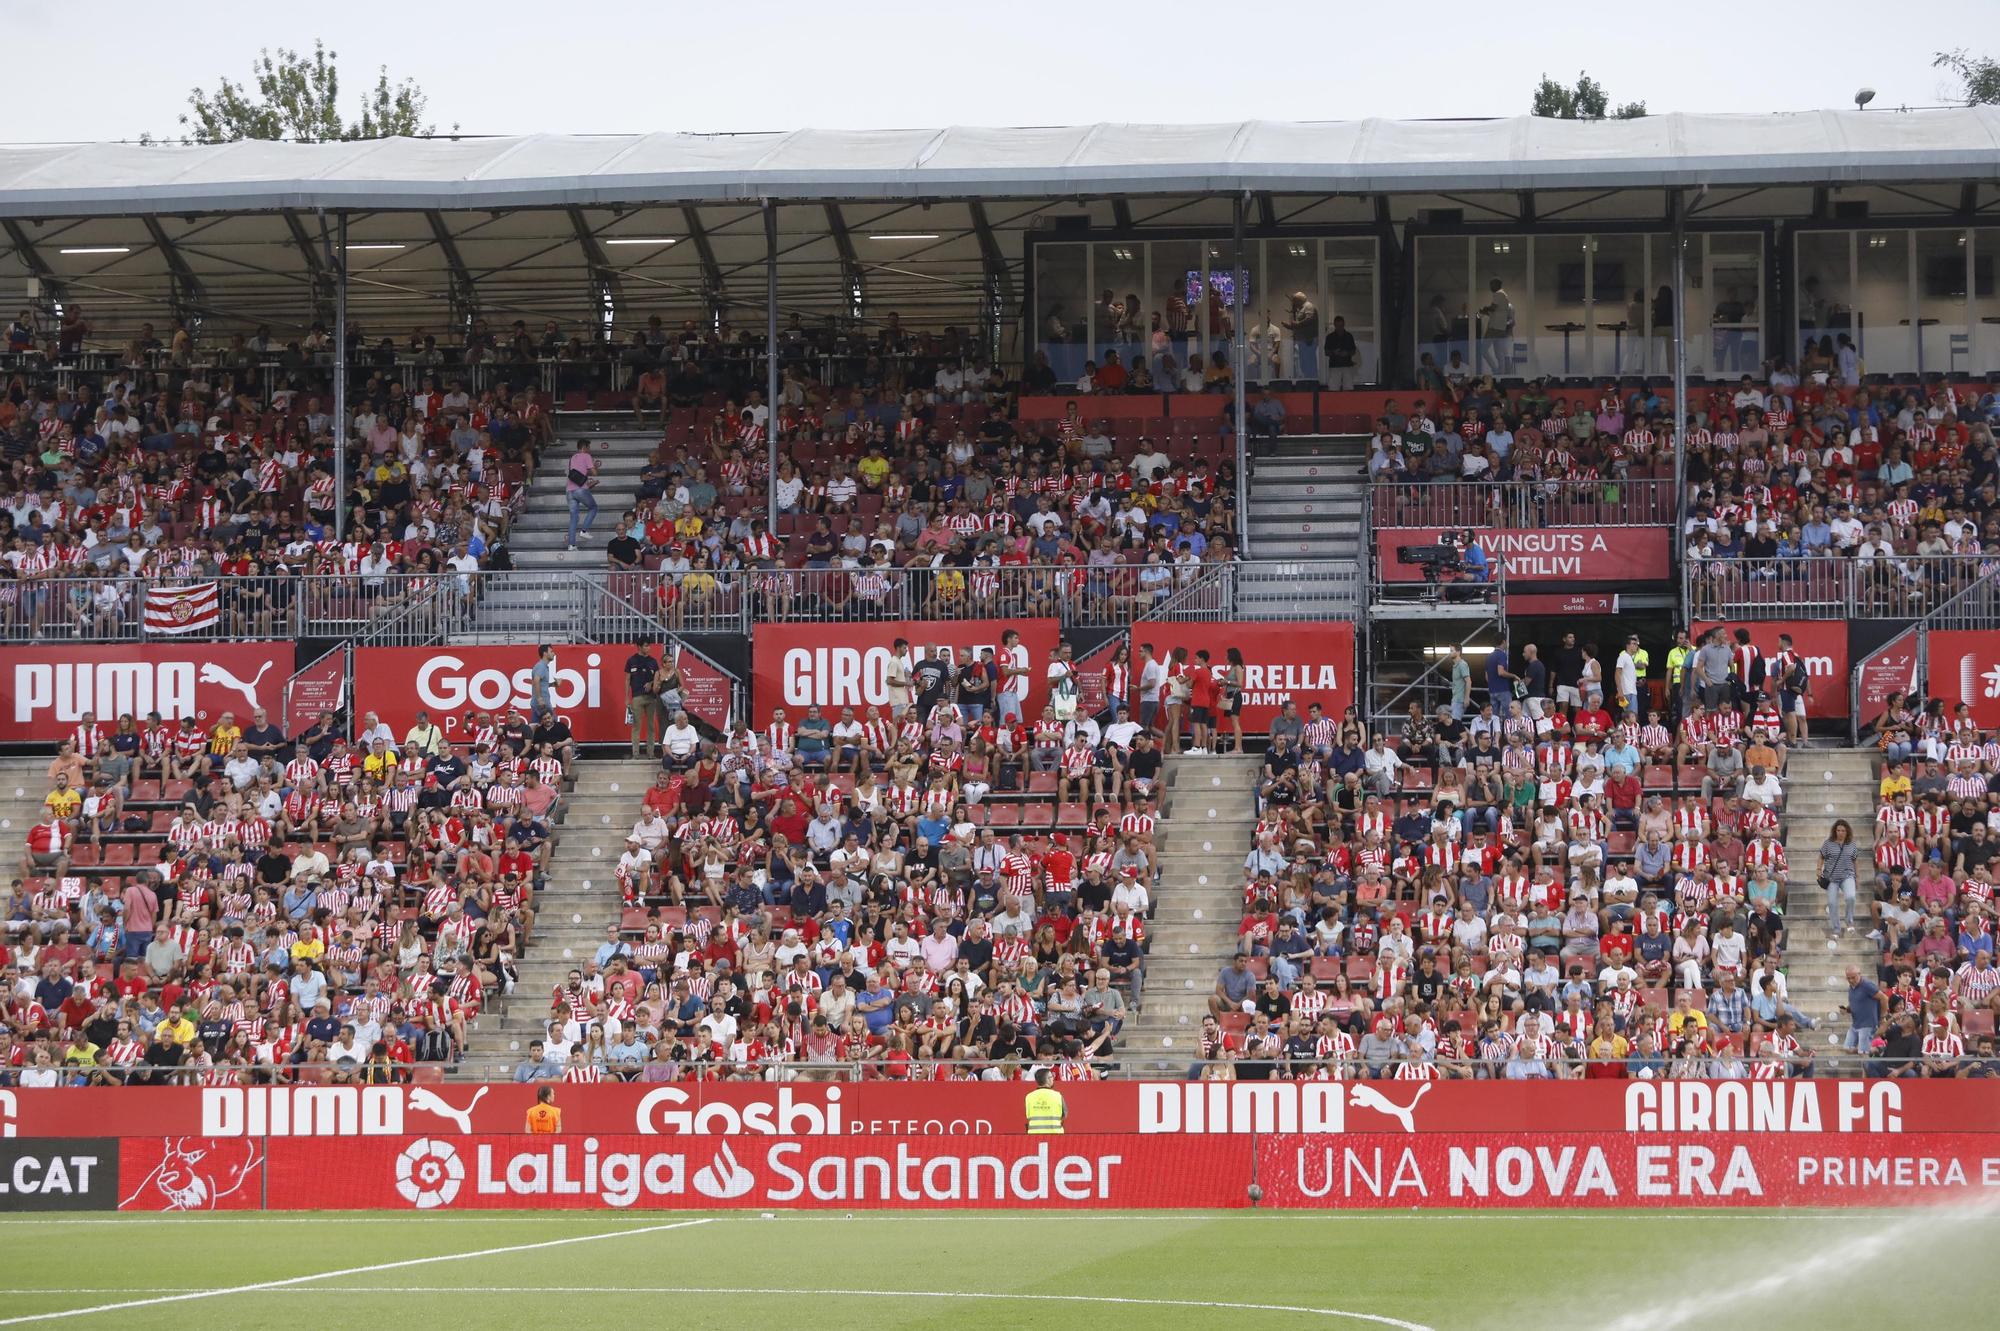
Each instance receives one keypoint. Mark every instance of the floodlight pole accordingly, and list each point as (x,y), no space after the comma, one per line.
(1238,349)
(1679,205)
(771,364)
(340,378)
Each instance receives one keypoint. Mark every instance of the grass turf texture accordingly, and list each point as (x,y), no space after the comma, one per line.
(1434,1269)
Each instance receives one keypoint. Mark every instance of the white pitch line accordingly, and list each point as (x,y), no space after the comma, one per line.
(1104,1299)
(188,1295)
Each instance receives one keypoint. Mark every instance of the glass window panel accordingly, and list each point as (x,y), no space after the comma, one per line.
(1735,275)
(1444,321)
(1944,340)
(1503,308)
(1825,300)
(1352,304)
(1062,298)
(1291,312)
(1118,314)
(1559,333)
(1985,302)
(1619,313)
(1882,303)
(1176,283)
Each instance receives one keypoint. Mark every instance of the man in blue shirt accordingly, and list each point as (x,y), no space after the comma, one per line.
(877,1005)
(1864,1011)
(1499,678)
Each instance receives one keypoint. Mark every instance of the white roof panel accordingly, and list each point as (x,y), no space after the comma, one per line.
(1367,156)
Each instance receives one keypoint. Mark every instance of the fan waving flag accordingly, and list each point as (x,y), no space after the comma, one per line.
(188,609)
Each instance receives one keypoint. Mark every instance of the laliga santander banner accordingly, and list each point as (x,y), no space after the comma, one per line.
(831,666)
(451,683)
(1363,1170)
(1965,668)
(44,691)
(1823,645)
(1305,662)
(1546,554)
(1819,1107)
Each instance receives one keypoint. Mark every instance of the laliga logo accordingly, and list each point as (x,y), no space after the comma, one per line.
(723,1178)
(428,1173)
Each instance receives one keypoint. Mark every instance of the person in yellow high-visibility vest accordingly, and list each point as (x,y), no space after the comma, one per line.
(1046,1110)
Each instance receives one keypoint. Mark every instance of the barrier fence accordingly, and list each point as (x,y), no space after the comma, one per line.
(1823,587)
(958,1145)
(1642,502)
(418,609)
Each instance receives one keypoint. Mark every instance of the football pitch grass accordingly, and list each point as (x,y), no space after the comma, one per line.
(1621,1270)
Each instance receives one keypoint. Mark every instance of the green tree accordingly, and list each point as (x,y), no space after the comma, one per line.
(1978,76)
(296,97)
(1586,101)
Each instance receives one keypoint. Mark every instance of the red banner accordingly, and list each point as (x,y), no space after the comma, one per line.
(1815,1106)
(44,691)
(1893,669)
(705,690)
(1282,1170)
(1093,676)
(1821,642)
(572,1171)
(1305,663)
(1550,554)
(831,666)
(453,682)
(1965,668)
(1564,1169)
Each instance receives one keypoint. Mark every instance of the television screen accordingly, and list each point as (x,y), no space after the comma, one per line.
(1944,276)
(1610,283)
(1222,282)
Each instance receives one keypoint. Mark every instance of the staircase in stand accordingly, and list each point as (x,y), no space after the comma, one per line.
(1820,786)
(538,535)
(1208,816)
(1305,503)
(571,912)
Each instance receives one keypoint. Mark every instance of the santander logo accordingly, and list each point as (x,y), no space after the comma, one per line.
(724,1178)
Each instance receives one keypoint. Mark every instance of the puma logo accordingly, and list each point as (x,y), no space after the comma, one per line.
(211,673)
(424,1098)
(1364,1096)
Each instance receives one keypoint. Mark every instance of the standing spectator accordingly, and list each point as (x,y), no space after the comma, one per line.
(1837,871)
(579,482)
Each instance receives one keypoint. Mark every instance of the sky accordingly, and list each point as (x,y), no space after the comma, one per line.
(609,66)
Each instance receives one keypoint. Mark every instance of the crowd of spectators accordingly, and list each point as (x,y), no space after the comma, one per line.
(1926,899)
(226,905)
(185,462)
(1554,878)
(932,504)
(954,886)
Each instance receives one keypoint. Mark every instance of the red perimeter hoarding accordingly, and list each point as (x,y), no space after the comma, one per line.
(1546,554)
(831,666)
(44,691)
(1965,668)
(1823,644)
(950,1145)
(1823,1107)
(1305,663)
(453,682)
(1368,1169)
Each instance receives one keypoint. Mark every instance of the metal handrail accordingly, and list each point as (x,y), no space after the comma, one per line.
(1612,502)
(1828,586)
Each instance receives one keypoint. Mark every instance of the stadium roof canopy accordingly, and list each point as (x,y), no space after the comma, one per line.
(921,217)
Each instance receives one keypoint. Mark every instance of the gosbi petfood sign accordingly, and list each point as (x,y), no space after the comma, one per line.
(833,666)
(451,683)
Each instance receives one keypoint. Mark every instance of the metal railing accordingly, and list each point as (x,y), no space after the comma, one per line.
(1523,504)
(1828,587)
(606,605)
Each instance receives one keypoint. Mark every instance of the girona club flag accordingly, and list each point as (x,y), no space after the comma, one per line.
(188,609)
